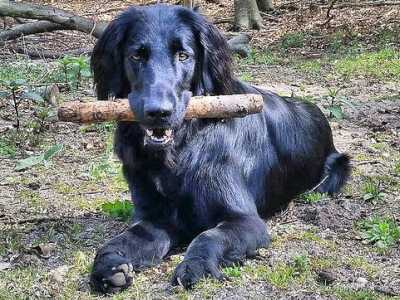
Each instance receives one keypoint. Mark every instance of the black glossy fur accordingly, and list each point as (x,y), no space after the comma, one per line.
(210,188)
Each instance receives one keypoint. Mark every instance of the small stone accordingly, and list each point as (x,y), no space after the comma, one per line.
(385,290)
(4,266)
(59,273)
(34,186)
(326,277)
(361,282)
(43,250)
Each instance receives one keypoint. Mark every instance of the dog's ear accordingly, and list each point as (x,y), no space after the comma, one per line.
(214,68)
(107,62)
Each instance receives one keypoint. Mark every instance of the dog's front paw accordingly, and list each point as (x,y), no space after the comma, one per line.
(112,273)
(190,271)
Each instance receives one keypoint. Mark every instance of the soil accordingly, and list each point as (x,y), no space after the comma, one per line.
(51,221)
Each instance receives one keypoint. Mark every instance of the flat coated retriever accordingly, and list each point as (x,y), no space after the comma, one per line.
(202,182)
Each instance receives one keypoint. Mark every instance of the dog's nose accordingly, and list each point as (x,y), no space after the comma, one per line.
(154,112)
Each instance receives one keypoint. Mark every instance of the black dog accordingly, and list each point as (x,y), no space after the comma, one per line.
(204,182)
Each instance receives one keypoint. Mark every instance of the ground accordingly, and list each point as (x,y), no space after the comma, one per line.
(55,214)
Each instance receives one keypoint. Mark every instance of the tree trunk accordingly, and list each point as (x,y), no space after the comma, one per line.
(188,3)
(55,15)
(247,14)
(265,5)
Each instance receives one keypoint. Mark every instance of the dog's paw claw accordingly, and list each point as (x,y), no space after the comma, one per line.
(111,273)
(189,272)
(118,279)
(124,268)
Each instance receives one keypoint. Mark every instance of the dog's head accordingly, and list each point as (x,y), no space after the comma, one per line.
(159,56)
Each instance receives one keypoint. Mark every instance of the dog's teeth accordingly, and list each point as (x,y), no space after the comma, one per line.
(168,132)
(149,132)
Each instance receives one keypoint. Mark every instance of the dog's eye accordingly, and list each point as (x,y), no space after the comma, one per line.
(182,56)
(135,57)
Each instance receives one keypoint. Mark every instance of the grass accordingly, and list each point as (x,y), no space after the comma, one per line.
(343,41)
(22,69)
(348,294)
(247,77)
(233,271)
(396,168)
(20,282)
(32,197)
(122,210)
(11,242)
(282,275)
(312,197)
(301,264)
(292,40)
(388,36)
(312,66)
(104,127)
(323,263)
(261,57)
(382,64)
(382,232)
(7,148)
(371,190)
(359,262)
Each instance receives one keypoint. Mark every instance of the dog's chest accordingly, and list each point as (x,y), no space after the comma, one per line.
(166,183)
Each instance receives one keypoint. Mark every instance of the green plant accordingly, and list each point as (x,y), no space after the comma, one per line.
(75,69)
(312,197)
(246,76)
(335,107)
(233,271)
(301,264)
(383,232)
(7,147)
(371,190)
(281,275)
(292,40)
(19,90)
(39,159)
(122,210)
(397,167)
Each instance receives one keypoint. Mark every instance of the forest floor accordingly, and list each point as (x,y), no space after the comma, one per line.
(54,215)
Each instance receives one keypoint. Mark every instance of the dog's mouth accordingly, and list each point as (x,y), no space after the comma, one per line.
(159,137)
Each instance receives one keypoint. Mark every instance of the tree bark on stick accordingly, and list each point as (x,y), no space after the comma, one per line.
(228,106)
(55,15)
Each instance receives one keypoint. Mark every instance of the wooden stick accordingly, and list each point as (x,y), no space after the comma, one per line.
(227,106)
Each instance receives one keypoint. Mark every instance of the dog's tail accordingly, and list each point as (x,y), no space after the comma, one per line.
(336,172)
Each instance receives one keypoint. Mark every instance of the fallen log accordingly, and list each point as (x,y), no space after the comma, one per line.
(64,18)
(29,28)
(227,106)
(54,19)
